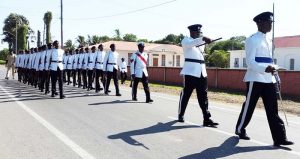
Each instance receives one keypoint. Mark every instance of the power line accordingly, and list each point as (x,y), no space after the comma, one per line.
(123,13)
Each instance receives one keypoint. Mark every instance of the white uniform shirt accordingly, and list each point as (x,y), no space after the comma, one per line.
(75,61)
(27,61)
(85,61)
(111,61)
(42,64)
(56,59)
(258,46)
(99,59)
(47,59)
(32,60)
(70,62)
(37,61)
(91,61)
(80,61)
(65,60)
(123,67)
(192,52)
(137,65)
(17,63)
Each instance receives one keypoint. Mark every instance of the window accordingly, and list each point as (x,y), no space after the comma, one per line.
(236,62)
(178,60)
(129,56)
(275,61)
(292,64)
(163,60)
(244,63)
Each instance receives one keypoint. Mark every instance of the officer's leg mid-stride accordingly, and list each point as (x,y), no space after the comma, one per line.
(190,83)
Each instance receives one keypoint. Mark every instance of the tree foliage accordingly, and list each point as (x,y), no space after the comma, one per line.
(9,28)
(3,54)
(81,41)
(117,35)
(171,39)
(22,40)
(130,37)
(69,45)
(234,43)
(47,21)
(218,58)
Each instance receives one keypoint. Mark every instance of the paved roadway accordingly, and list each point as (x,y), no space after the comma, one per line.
(89,125)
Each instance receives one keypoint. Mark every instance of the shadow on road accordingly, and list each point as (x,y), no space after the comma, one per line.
(158,128)
(227,148)
(116,102)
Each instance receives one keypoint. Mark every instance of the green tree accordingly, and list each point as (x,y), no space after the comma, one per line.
(234,43)
(81,41)
(47,21)
(218,58)
(3,54)
(117,36)
(143,40)
(22,40)
(69,45)
(171,39)
(9,28)
(130,37)
(104,39)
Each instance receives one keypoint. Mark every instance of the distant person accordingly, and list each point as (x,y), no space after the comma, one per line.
(100,54)
(194,74)
(123,70)
(56,70)
(138,69)
(10,64)
(111,69)
(261,82)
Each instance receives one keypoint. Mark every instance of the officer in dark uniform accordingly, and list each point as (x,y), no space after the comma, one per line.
(194,74)
(56,69)
(261,82)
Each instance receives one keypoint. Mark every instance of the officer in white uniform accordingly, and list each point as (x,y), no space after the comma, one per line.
(79,66)
(100,54)
(111,69)
(75,63)
(91,67)
(85,67)
(261,82)
(42,68)
(194,74)
(65,60)
(138,69)
(69,66)
(56,69)
(123,70)
(47,67)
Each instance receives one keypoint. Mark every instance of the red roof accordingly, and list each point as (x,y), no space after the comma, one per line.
(287,41)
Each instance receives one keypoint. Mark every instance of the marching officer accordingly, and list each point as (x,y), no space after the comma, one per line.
(123,70)
(100,54)
(261,82)
(69,66)
(79,66)
(138,69)
(91,67)
(47,65)
(194,74)
(111,68)
(56,70)
(84,67)
(75,63)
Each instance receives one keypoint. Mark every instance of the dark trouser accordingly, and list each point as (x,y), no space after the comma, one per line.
(74,71)
(54,76)
(42,80)
(99,76)
(90,79)
(84,78)
(113,75)
(123,77)
(69,76)
(47,80)
(64,72)
(79,77)
(268,93)
(191,83)
(136,81)
(19,69)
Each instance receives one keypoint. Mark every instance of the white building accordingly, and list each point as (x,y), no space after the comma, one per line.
(160,55)
(287,54)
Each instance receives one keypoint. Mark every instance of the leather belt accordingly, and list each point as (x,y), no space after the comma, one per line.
(195,60)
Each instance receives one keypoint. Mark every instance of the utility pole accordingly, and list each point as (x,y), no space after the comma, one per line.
(61,24)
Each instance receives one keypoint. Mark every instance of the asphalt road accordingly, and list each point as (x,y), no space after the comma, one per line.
(89,125)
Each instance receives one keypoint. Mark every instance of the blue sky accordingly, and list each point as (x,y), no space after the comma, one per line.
(220,18)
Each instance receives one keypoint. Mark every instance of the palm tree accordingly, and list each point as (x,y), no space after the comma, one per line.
(47,21)
(69,45)
(81,40)
(118,35)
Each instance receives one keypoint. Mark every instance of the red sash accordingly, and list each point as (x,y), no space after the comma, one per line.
(141,57)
